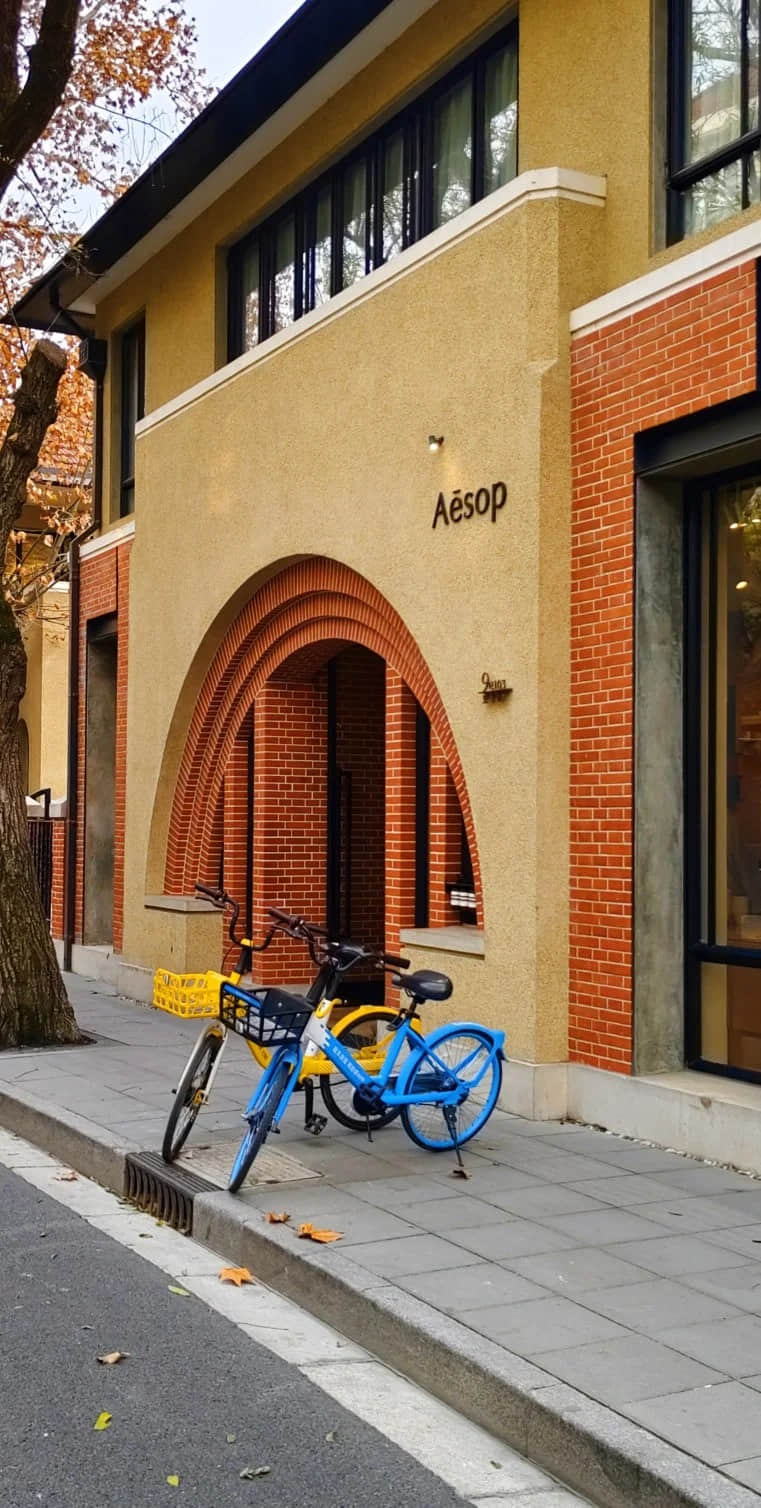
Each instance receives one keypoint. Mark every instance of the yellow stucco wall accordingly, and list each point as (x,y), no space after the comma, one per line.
(44,708)
(320,448)
(584,82)
(323,450)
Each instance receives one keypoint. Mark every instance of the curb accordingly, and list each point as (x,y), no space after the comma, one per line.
(590,1447)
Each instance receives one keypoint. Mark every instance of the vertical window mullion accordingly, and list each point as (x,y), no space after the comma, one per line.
(478,128)
(299,242)
(337,217)
(744,94)
(269,280)
(679,17)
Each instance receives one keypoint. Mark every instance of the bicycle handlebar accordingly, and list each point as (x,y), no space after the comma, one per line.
(344,955)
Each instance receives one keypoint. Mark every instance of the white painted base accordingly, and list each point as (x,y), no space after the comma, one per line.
(537,1091)
(104,964)
(698,1113)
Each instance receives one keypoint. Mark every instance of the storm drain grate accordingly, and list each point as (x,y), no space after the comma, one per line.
(167,1192)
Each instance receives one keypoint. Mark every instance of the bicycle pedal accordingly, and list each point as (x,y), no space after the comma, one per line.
(316,1124)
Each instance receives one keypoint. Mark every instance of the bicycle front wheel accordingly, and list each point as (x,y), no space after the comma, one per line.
(189,1095)
(465,1055)
(258,1127)
(368,1039)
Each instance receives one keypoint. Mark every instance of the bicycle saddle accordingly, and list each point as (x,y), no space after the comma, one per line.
(426,984)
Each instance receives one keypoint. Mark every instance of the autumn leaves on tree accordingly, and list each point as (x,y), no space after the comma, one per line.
(77,122)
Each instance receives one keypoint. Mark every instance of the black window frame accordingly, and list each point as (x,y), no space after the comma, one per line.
(416,123)
(132,342)
(682,174)
(699,728)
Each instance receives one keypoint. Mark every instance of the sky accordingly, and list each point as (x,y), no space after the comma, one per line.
(231,31)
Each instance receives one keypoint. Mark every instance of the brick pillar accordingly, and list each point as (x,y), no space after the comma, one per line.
(401,714)
(235,819)
(59,866)
(445,839)
(290,817)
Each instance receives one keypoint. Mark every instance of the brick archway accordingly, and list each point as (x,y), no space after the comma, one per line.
(315,602)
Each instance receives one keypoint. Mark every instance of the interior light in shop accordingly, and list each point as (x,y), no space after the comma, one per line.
(740,586)
(435,442)
(737,525)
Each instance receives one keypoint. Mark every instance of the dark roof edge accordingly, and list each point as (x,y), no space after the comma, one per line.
(305,43)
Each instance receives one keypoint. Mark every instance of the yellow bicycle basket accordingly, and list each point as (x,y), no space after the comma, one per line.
(188,995)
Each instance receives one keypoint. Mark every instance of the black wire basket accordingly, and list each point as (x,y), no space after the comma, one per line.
(267,1016)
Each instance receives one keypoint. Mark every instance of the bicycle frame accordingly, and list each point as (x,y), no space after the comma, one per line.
(320,1039)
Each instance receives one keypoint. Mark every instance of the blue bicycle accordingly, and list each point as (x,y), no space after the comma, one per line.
(445,1084)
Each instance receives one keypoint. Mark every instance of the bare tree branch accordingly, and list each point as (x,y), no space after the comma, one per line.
(50,61)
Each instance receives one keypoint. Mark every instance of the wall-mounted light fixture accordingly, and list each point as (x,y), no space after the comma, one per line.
(435,442)
(740,586)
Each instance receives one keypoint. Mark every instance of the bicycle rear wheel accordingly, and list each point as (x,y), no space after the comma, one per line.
(464,1055)
(368,1039)
(258,1127)
(189,1095)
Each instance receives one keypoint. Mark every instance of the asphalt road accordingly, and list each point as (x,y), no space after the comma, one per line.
(68,1294)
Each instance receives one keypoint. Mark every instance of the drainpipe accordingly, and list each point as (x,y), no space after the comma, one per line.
(92,361)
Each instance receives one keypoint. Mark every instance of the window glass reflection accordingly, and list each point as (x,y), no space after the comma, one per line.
(354,223)
(452,152)
(283,281)
(501,91)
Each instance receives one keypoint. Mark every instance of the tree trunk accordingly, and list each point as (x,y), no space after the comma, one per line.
(34,1007)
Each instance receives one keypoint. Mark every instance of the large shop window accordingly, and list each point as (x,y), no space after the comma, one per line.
(723,826)
(132,409)
(715,138)
(448,149)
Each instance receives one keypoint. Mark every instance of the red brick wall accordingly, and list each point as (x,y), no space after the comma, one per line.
(685,353)
(401,711)
(235,818)
(104,589)
(307,604)
(59,864)
(290,816)
(360,750)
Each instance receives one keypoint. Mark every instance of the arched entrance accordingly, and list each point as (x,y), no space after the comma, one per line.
(319,771)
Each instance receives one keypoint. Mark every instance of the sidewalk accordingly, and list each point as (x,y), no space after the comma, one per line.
(595,1301)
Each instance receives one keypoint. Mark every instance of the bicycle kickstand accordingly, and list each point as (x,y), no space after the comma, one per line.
(450,1116)
(312,1123)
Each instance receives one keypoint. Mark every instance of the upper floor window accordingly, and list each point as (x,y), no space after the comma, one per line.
(715,139)
(132,409)
(449,148)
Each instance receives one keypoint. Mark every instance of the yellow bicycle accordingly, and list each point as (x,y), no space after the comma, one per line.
(367,1031)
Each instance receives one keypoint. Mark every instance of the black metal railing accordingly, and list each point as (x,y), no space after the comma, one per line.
(40,830)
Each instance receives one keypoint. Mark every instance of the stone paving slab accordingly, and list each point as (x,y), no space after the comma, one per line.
(574,1270)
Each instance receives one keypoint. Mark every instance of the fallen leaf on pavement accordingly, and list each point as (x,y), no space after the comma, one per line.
(249,1472)
(173,1480)
(66,1177)
(274,1219)
(459,1173)
(307,1232)
(102,1421)
(111,1357)
(236,1275)
(231,1439)
(145,1235)
(182,1292)
(330,1437)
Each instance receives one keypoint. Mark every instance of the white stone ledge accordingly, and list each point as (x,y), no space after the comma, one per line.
(527,188)
(178,903)
(445,939)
